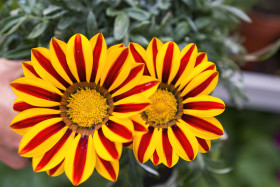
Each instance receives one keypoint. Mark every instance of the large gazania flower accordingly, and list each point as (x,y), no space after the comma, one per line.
(179,122)
(74,101)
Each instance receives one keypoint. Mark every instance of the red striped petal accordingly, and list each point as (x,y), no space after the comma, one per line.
(138,127)
(30,122)
(167,148)
(41,137)
(127,144)
(108,166)
(155,158)
(185,143)
(31,69)
(204,105)
(109,145)
(200,88)
(203,144)
(144,143)
(37,92)
(21,106)
(79,58)
(136,90)
(96,56)
(133,73)
(202,124)
(167,63)
(50,154)
(119,129)
(53,170)
(184,63)
(138,58)
(46,64)
(80,159)
(115,69)
(155,52)
(62,59)
(130,107)
(199,59)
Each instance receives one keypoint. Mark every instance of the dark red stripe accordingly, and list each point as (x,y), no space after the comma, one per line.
(21,106)
(42,136)
(155,158)
(184,63)
(199,59)
(79,58)
(80,160)
(186,145)
(115,69)
(62,60)
(136,90)
(203,144)
(51,153)
(202,124)
(53,170)
(167,62)
(130,107)
(138,126)
(109,168)
(96,57)
(200,88)
(109,145)
(144,143)
(138,58)
(30,122)
(37,92)
(133,73)
(46,64)
(212,67)
(204,105)
(167,148)
(31,69)
(120,130)
(155,52)
(127,144)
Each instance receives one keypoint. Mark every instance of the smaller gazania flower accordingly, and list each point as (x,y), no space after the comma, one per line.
(74,102)
(180,120)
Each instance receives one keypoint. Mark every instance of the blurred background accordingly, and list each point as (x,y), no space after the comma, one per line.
(241,37)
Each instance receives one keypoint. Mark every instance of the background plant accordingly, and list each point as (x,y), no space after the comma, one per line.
(25,24)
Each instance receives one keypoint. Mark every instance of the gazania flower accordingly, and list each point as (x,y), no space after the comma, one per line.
(74,101)
(180,120)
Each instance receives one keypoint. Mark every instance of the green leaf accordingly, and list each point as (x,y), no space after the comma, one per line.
(10,24)
(181,30)
(38,30)
(91,24)
(141,40)
(202,22)
(148,169)
(16,26)
(51,9)
(56,15)
(19,52)
(237,12)
(65,22)
(112,12)
(121,26)
(137,13)
(75,5)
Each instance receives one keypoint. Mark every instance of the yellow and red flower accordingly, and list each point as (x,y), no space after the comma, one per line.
(74,101)
(180,120)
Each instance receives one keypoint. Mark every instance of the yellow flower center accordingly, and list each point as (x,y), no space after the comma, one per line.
(163,107)
(87,107)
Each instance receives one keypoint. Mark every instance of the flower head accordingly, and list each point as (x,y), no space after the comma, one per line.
(180,120)
(74,101)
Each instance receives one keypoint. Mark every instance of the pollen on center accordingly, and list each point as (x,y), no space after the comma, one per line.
(87,107)
(163,107)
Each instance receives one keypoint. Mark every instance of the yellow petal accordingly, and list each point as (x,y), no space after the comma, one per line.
(28,70)
(204,145)
(36,92)
(80,159)
(42,137)
(108,169)
(57,170)
(79,57)
(152,51)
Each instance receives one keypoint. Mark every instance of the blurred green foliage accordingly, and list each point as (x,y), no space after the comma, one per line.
(26,24)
